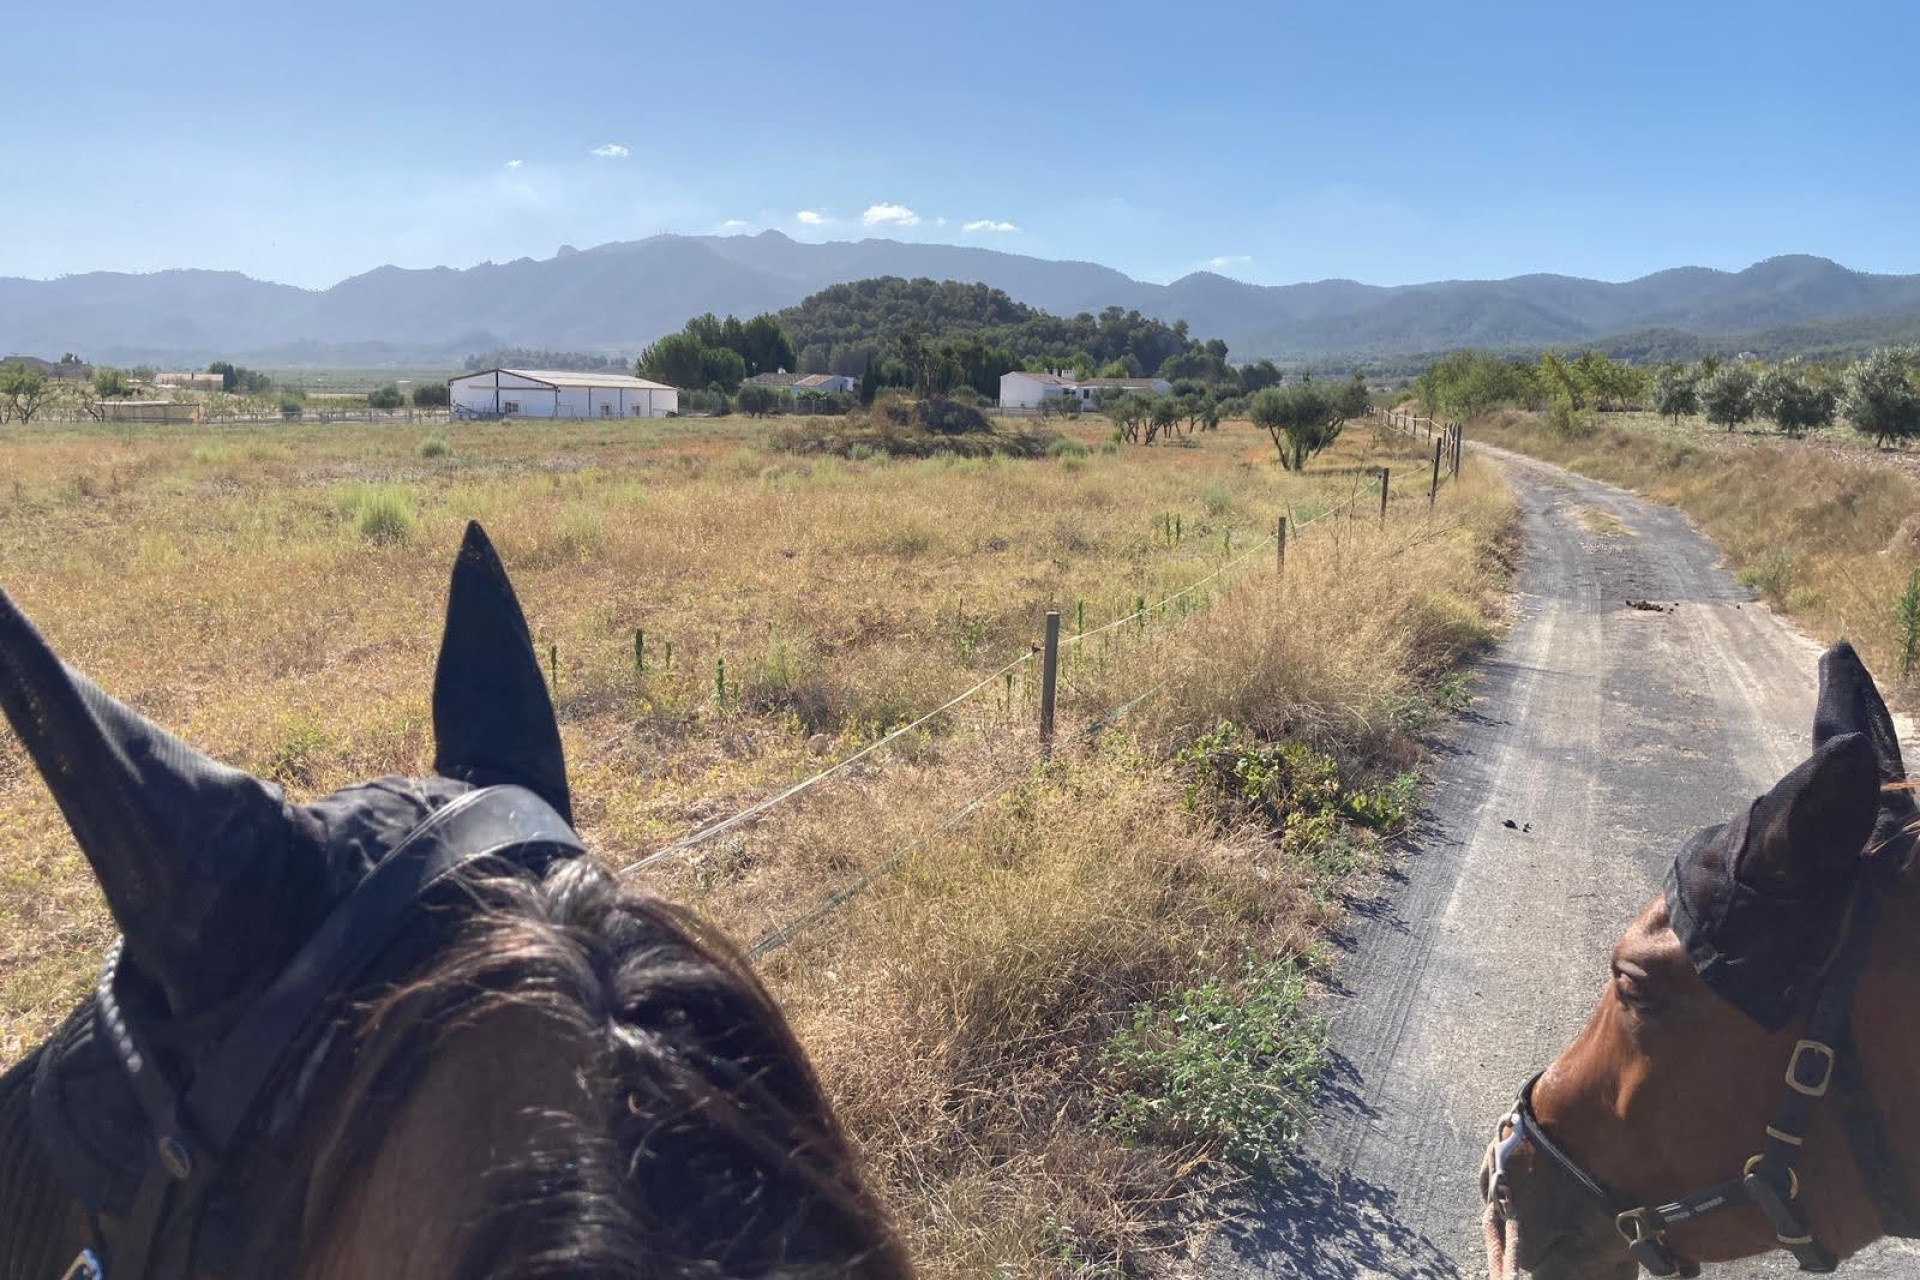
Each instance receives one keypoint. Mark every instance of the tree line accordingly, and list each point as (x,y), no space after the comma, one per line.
(1878,395)
(530,358)
(718,354)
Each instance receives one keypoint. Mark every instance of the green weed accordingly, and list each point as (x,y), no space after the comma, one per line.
(1231,1063)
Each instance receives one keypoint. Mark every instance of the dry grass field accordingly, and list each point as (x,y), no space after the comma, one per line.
(996,1011)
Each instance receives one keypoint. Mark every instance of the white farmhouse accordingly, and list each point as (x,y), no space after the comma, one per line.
(1023,390)
(558,393)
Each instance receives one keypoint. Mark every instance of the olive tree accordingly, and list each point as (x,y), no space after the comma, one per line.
(1302,420)
(1676,392)
(22,391)
(1727,396)
(1162,413)
(1879,397)
(757,401)
(1796,405)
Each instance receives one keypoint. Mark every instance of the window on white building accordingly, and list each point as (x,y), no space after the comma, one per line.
(509,406)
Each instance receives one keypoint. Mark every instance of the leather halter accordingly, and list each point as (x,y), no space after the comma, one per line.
(193,1128)
(1768,1180)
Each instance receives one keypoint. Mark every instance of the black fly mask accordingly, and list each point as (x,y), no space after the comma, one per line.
(1759,926)
(223,889)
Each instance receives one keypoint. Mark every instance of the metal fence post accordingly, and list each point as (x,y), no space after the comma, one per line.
(1386,474)
(1280,548)
(1049,670)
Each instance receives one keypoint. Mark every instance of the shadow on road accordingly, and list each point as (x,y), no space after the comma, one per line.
(1313,1223)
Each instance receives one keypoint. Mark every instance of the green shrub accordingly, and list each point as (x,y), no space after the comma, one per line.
(1231,1065)
(382,513)
(431,395)
(385,398)
(1067,447)
(435,447)
(946,417)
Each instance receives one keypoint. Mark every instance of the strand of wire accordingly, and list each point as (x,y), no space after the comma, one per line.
(748,814)
(751,813)
(786,933)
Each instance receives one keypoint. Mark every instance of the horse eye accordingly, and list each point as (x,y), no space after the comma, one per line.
(1630,981)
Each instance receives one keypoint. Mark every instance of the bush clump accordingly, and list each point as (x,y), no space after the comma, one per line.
(947,417)
(382,512)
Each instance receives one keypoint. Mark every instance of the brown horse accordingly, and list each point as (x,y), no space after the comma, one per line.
(1745,1082)
(408,1030)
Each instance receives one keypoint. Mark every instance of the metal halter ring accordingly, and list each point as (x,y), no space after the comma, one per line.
(1793,1178)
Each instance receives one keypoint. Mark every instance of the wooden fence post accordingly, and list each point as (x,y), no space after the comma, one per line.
(1386,474)
(1049,671)
(1459,447)
(1433,488)
(1280,548)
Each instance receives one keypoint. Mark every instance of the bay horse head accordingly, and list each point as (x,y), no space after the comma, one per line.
(1744,1082)
(410,1029)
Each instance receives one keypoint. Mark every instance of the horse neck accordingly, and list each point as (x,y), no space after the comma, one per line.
(1886,1020)
(42,1229)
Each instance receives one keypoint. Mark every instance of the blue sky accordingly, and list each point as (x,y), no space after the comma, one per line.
(1389,142)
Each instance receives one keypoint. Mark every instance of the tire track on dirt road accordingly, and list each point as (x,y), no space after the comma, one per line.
(1603,733)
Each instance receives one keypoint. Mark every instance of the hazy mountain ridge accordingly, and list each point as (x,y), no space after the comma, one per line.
(617,297)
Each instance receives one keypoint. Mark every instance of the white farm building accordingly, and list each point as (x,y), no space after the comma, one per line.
(1023,390)
(557,393)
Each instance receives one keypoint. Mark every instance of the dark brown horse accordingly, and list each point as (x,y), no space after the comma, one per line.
(1746,1081)
(408,1030)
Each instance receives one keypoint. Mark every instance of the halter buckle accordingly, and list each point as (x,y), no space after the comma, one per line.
(1823,1065)
(1646,1242)
(1635,1227)
(84,1267)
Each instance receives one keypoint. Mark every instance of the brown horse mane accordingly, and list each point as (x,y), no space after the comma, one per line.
(699,1142)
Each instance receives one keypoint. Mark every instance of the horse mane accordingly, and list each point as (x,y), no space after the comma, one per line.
(713,1151)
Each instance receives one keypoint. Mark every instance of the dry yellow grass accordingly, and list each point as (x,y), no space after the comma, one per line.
(226,583)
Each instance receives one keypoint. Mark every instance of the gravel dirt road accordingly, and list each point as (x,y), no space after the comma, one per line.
(1600,735)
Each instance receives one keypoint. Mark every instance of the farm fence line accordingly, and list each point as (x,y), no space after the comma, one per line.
(1446,463)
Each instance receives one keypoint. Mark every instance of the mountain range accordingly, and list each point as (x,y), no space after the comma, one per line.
(618,297)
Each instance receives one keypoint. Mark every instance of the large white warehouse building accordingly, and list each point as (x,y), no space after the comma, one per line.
(557,393)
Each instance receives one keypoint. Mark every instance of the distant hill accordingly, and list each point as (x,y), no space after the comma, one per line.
(617,297)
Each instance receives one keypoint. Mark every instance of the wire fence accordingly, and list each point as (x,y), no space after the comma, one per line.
(1446,459)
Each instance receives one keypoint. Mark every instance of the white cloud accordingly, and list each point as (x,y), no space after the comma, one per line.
(988,224)
(513,164)
(890,215)
(812,217)
(1227,260)
(735,224)
(612,151)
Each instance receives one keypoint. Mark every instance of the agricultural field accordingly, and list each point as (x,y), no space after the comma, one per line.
(1047,1017)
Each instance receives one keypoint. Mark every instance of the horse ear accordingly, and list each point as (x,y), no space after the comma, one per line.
(193,856)
(1807,833)
(492,720)
(1849,703)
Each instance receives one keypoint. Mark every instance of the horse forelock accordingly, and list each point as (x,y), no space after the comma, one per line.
(609,1092)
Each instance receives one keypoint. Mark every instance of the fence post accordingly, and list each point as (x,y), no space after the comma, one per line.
(1433,488)
(1386,474)
(1459,446)
(1280,548)
(1049,670)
